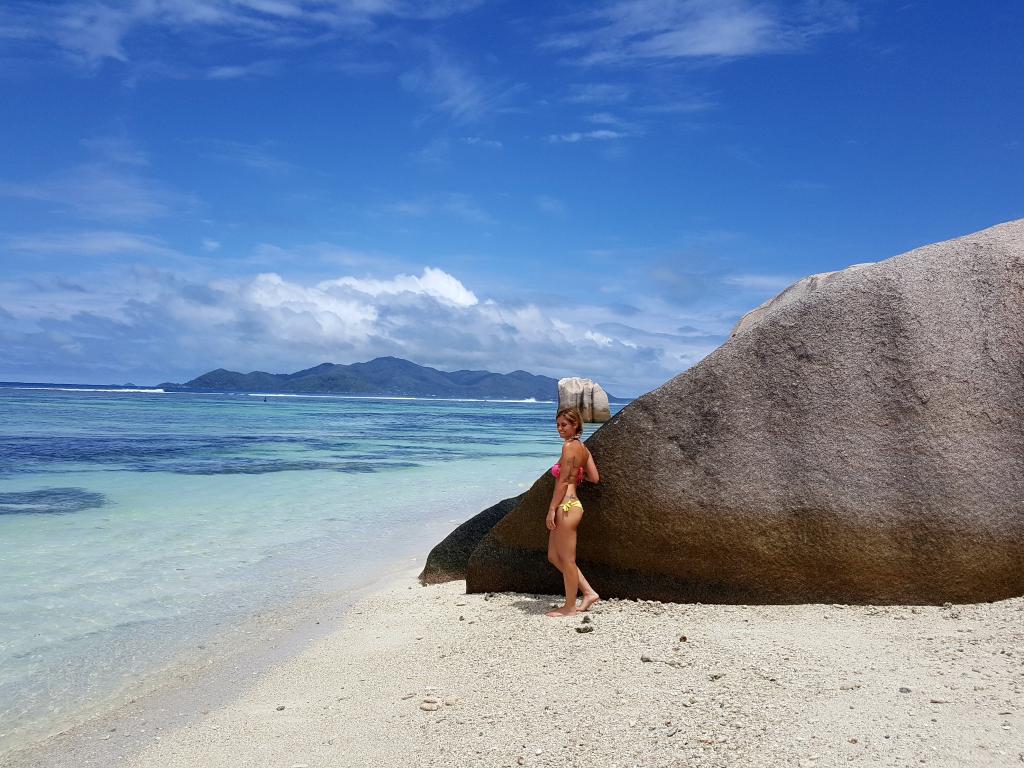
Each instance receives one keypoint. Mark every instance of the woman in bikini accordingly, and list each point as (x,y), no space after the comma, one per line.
(566,511)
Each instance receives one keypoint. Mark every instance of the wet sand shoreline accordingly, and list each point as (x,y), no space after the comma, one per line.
(212,676)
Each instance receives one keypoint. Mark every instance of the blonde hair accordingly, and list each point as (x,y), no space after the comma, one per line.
(572,415)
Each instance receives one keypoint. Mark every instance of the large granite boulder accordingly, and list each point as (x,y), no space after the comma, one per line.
(448,560)
(859,442)
(586,396)
(797,291)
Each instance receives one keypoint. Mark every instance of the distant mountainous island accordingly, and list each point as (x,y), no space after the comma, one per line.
(391,376)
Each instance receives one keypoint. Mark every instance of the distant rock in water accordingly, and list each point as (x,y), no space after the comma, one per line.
(861,439)
(586,396)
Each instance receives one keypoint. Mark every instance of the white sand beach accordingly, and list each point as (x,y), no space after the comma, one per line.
(418,676)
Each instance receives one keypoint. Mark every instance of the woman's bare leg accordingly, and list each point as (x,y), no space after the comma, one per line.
(590,595)
(564,538)
(553,557)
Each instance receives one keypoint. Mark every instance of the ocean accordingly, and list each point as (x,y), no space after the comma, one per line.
(136,525)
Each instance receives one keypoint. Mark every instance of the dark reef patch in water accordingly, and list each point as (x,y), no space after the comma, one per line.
(266,466)
(228,454)
(50,501)
(116,449)
(385,443)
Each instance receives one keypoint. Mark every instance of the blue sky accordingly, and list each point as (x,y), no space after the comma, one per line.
(589,188)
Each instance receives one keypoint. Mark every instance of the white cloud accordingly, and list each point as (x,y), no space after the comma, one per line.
(254,156)
(676,104)
(637,31)
(727,30)
(436,153)
(92,243)
(287,311)
(805,185)
(93,31)
(551,205)
(102,191)
(329,255)
(243,71)
(116,150)
(464,207)
(598,93)
(456,90)
(210,245)
(455,204)
(614,123)
(602,134)
(772,283)
(476,141)
(434,283)
(454,87)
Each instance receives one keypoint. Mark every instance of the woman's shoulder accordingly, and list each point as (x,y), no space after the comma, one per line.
(574,449)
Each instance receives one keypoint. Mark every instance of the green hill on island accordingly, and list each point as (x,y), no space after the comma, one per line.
(390,376)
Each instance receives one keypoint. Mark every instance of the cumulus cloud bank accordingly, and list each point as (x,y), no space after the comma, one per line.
(155,325)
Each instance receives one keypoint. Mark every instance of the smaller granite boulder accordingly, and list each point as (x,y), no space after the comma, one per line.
(448,560)
(586,396)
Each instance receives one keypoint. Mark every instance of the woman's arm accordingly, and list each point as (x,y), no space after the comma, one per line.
(591,470)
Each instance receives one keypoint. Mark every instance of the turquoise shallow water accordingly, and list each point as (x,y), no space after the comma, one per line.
(133,524)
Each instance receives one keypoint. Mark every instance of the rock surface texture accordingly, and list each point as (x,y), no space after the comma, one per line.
(859,442)
(588,397)
(797,291)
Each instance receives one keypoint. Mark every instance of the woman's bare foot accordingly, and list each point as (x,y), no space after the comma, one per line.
(589,600)
(561,613)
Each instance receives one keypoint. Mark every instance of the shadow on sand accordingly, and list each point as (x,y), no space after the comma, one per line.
(537,605)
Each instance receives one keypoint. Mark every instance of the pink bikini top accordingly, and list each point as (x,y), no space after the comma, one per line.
(555,470)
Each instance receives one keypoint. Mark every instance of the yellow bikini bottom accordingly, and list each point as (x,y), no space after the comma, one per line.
(570,504)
